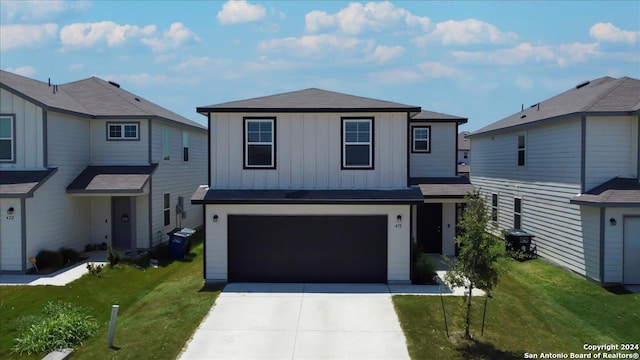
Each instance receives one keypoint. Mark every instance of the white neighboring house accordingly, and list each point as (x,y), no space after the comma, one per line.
(464,154)
(319,186)
(88,162)
(566,170)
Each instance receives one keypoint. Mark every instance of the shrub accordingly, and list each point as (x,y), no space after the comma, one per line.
(49,259)
(424,269)
(61,325)
(113,256)
(69,256)
(94,269)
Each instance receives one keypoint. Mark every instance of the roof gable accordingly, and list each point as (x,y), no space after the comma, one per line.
(603,95)
(309,100)
(91,97)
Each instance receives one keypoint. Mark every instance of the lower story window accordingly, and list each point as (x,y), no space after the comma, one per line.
(167,209)
(517,213)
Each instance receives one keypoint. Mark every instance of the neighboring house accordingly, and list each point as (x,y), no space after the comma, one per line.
(464,154)
(319,186)
(88,162)
(566,170)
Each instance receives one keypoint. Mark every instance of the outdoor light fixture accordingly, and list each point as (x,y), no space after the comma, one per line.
(10,211)
(613,222)
(215,218)
(399,217)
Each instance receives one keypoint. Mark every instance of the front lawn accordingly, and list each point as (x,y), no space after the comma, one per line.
(159,308)
(536,308)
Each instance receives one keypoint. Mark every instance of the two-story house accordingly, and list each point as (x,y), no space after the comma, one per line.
(88,162)
(566,170)
(319,186)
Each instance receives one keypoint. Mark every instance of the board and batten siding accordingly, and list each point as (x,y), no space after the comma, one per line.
(119,152)
(11,235)
(398,238)
(308,153)
(29,132)
(176,177)
(56,219)
(550,178)
(441,161)
(614,243)
(611,149)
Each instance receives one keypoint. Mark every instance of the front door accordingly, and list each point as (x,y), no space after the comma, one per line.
(430,228)
(631,268)
(121,215)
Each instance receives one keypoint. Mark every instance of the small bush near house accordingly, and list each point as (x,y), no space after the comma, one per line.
(424,270)
(49,259)
(94,269)
(113,256)
(61,325)
(69,256)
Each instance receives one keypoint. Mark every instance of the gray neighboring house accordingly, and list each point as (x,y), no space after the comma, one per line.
(566,170)
(88,162)
(320,186)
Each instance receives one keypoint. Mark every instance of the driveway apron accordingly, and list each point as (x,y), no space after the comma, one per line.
(300,321)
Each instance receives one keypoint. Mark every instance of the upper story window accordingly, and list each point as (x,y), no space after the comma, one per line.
(494,207)
(465,154)
(185,146)
(7,138)
(259,143)
(123,131)
(517,213)
(522,148)
(420,139)
(166,143)
(357,143)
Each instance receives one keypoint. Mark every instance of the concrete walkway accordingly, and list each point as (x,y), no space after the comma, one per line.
(58,278)
(300,321)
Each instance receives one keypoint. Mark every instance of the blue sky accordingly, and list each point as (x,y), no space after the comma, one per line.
(476,59)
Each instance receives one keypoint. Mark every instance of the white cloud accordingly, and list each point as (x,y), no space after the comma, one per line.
(609,32)
(193,63)
(76,67)
(177,35)
(525,52)
(90,34)
(524,82)
(315,45)
(437,70)
(27,71)
(383,54)
(16,36)
(33,10)
(465,32)
(357,18)
(397,76)
(142,80)
(239,12)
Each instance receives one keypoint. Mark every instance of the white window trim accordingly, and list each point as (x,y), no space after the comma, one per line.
(270,143)
(345,143)
(166,209)
(12,138)
(413,139)
(185,145)
(494,208)
(515,213)
(122,126)
(523,149)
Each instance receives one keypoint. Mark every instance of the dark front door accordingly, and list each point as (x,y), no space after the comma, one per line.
(121,222)
(307,248)
(430,228)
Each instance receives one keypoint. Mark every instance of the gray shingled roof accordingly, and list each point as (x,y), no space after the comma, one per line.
(91,97)
(604,95)
(444,187)
(403,196)
(112,179)
(22,183)
(613,193)
(435,116)
(308,100)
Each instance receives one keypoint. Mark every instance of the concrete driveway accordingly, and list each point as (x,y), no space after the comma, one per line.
(300,321)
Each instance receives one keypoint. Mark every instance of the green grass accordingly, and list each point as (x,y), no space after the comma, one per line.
(159,308)
(535,308)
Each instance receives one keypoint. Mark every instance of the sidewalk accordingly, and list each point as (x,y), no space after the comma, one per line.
(58,278)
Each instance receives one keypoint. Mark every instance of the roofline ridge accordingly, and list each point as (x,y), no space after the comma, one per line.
(619,81)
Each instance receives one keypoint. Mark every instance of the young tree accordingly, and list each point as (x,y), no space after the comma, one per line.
(479,252)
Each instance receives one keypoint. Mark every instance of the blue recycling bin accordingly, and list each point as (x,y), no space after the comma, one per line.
(179,242)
